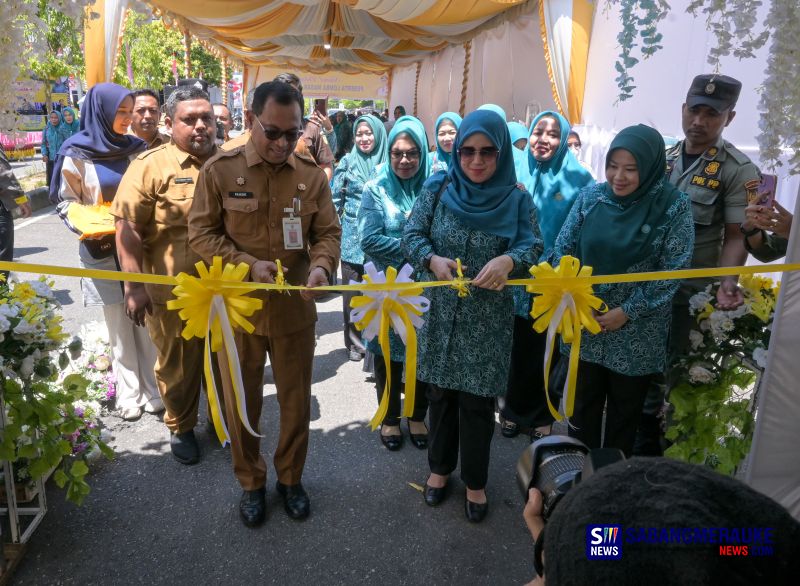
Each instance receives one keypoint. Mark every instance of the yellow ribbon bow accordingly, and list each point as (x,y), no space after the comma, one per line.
(563,306)
(208,307)
(400,308)
(459,282)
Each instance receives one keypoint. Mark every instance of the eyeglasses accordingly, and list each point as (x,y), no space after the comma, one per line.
(412,155)
(484,153)
(274,134)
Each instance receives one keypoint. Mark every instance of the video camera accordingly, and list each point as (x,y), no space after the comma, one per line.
(556,463)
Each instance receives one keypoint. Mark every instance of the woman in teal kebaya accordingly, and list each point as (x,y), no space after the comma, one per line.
(445,131)
(352,172)
(386,204)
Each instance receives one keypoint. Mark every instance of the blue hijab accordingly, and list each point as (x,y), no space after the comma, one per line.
(441,154)
(98,142)
(518,131)
(55,135)
(363,165)
(75,125)
(555,183)
(404,192)
(496,109)
(495,206)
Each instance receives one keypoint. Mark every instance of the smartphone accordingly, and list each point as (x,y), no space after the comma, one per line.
(764,192)
(321,106)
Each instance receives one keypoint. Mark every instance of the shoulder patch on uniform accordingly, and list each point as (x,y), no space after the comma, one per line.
(220,154)
(149,152)
(305,157)
(736,154)
(675,149)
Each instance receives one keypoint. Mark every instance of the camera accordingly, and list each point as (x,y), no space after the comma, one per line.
(556,463)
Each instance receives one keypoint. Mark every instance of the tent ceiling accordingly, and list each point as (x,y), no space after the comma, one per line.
(364,35)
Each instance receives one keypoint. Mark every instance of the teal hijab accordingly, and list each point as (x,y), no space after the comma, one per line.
(517,131)
(75,126)
(404,192)
(615,236)
(363,165)
(555,183)
(495,206)
(441,154)
(496,109)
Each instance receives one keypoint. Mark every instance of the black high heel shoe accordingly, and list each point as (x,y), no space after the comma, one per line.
(475,512)
(434,496)
(420,440)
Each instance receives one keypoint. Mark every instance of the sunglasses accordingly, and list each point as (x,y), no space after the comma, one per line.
(411,155)
(484,153)
(274,134)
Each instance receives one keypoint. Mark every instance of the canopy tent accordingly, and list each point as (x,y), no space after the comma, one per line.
(526,56)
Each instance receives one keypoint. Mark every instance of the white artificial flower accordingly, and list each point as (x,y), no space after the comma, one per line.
(760,357)
(42,289)
(25,327)
(9,310)
(696,339)
(699,375)
(698,301)
(743,309)
(4,324)
(26,368)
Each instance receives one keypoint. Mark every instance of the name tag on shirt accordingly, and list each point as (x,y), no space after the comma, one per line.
(241,194)
(183,181)
(292,234)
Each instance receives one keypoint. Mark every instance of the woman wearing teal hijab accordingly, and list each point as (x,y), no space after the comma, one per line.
(445,131)
(353,171)
(553,177)
(71,122)
(476,213)
(519,138)
(53,137)
(634,222)
(385,205)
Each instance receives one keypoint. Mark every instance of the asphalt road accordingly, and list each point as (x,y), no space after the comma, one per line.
(150,520)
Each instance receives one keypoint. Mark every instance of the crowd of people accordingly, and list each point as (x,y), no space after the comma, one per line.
(495,195)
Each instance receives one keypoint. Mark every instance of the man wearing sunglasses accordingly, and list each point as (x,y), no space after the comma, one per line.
(256,204)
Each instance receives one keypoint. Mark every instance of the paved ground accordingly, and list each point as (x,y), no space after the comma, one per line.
(149,520)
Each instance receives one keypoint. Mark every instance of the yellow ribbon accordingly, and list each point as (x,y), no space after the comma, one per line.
(564,306)
(401,310)
(280,278)
(208,308)
(459,283)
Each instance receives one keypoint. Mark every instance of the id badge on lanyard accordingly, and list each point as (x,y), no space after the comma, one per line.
(293,227)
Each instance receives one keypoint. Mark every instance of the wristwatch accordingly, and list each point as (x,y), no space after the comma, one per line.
(749,233)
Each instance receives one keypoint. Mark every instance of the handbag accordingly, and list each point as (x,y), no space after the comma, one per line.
(102,247)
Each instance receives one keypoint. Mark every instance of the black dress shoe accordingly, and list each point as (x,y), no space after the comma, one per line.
(475,512)
(509,429)
(420,440)
(434,496)
(184,447)
(392,442)
(252,507)
(295,500)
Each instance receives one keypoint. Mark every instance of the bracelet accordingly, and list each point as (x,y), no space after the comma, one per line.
(426,262)
(749,233)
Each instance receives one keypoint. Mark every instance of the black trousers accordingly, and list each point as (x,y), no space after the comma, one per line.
(525,402)
(48,173)
(625,397)
(460,420)
(420,396)
(6,236)
(352,337)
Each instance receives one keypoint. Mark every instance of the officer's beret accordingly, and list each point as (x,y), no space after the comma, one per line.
(717,91)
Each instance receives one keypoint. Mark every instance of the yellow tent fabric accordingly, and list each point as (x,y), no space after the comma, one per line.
(363,35)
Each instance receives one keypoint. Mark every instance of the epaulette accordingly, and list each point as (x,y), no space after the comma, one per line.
(220,154)
(149,152)
(305,157)
(736,154)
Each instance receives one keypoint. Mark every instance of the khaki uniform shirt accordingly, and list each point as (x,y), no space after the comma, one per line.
(717,184)
(238,213)
(156,193)
(233,143)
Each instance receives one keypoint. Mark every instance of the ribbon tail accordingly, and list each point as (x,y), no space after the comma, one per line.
(213,396)
(552,329)
(411,368)
(383,339)
(572,373)
(218,309)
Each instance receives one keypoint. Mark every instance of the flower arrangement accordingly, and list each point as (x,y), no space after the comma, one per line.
(48,421)
(94,364)
(712,422)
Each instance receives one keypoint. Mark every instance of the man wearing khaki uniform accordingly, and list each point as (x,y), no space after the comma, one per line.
(151,207)
(255,204)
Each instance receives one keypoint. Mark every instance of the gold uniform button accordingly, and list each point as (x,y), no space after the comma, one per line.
(273,199)
(272,224)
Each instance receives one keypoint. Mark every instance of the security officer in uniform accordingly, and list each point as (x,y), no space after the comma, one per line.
(717,178)
(256,204)
(11,196)
(151,207)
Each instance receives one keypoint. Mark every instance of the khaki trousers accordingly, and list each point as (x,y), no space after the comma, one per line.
(179,368)
(291,359)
